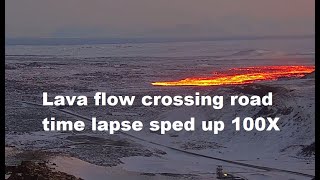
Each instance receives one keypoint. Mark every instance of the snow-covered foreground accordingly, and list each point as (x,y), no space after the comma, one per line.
(83,70)
(282,150)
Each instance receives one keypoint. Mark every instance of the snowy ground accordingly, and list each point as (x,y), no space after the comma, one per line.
(128,69)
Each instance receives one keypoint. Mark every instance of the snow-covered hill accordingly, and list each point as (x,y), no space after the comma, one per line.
(293,102)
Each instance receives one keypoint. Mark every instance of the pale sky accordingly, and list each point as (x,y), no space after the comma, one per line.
(158,18)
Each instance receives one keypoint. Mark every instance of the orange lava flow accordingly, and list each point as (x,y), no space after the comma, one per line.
(242,76)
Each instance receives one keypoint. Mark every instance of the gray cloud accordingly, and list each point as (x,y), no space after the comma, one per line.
(157,18)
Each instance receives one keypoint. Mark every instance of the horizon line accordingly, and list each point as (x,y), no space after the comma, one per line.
(133,40)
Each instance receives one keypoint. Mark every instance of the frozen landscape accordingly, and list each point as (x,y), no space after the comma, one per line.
(129,69)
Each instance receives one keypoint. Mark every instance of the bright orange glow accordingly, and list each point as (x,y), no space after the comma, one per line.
(242,76)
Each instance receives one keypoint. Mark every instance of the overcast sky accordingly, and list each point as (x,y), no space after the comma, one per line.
(158,18)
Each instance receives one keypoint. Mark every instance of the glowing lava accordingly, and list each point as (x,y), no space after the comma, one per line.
(242,76)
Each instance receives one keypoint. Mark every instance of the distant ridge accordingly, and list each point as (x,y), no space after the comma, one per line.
(88,41)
